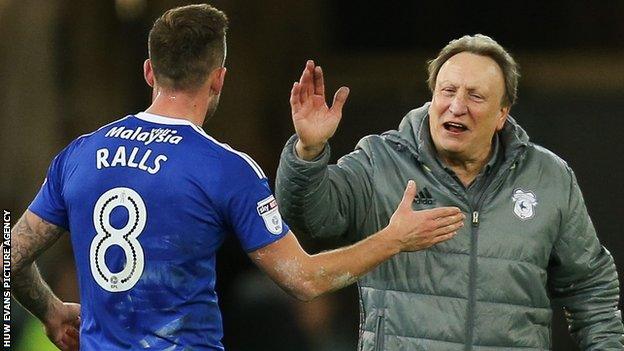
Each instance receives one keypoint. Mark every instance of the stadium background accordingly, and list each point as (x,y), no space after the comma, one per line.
(68,67)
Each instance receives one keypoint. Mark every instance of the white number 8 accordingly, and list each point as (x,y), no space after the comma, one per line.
(126,238)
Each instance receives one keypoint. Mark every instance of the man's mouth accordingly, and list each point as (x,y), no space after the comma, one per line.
(455,127)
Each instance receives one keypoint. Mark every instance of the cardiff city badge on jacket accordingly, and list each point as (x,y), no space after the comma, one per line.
(524,203)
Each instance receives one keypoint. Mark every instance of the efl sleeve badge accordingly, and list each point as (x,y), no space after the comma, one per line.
(267,209)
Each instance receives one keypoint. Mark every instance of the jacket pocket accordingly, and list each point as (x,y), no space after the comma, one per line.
(379,330)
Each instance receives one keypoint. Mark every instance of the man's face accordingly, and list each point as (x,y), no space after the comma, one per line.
(466,108)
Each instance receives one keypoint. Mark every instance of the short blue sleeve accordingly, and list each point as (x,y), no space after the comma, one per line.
(254,217)
(49,203)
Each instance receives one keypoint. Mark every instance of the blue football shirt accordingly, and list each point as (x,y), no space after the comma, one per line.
(148,200)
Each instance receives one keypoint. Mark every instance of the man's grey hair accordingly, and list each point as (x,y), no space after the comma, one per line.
(483,45)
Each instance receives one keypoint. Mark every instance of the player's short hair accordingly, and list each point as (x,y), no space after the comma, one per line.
(185,44)
(483,45)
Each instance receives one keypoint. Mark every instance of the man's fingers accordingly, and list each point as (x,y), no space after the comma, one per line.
(295,102)
(309,78)
(448,220)
(71,339)
(76,311)
(445,237)
(73,333)
(306,86)
(319,83)
(306,69)
(305,90)
(448,229)
(339,100)
(442,212)
(408,195)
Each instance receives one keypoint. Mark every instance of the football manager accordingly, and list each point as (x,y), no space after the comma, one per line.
(528,239)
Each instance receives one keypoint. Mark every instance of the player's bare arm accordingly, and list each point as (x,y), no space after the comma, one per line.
(308,276)
(30,237)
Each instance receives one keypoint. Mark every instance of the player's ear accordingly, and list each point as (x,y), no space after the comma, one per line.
(148,72)
(218,79)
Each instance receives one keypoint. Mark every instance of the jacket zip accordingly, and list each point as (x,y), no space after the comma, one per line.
(379,334)
(472,281)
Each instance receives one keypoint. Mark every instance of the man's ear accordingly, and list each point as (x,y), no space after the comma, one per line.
(148,72)
(217,81)
(504,112)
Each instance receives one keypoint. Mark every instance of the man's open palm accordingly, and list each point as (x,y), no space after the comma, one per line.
(314,121)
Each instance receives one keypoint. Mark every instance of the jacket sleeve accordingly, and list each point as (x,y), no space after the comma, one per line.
(583,279)
(324,200)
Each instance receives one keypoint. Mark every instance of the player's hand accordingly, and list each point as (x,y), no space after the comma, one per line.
(417,230)
(314,121)
(62,326)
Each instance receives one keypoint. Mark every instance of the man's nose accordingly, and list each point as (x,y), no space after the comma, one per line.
(458,105)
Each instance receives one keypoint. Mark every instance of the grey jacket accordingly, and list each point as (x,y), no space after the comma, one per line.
(529,240)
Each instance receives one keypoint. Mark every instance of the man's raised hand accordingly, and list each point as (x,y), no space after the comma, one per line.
(314,121)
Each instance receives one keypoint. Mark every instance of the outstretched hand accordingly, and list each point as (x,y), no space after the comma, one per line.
(314,121)
(417,230)
(62,326)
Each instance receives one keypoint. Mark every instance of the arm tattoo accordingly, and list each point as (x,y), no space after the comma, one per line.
(29,239)
(32,292)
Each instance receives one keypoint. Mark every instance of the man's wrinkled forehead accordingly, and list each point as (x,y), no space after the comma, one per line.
(472,70)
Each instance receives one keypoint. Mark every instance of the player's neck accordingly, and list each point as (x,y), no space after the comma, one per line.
(176,104)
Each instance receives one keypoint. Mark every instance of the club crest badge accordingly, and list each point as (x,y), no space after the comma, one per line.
(267,209)
(524,203)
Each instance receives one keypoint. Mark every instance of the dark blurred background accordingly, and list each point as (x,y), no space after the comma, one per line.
(68,67)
